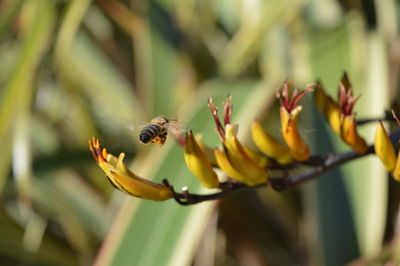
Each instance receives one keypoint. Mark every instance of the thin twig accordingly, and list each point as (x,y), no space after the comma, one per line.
(388,117)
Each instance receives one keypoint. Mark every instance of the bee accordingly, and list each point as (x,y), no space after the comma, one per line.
(157,130)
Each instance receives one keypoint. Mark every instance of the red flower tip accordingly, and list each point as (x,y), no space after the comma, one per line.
(220,129)
(228,110)
(346,98)
(290,102)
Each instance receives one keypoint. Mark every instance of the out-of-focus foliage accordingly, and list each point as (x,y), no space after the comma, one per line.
(70,70)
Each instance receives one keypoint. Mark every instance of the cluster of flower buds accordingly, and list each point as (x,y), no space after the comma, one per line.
(236,160)
(339,114)
(247,167)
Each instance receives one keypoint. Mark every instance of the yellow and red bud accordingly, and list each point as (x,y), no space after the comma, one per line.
(350,135)
(124,179)
(333,115)
(384,148)
(299,149)
(240,159)
(269,145)
(197,162)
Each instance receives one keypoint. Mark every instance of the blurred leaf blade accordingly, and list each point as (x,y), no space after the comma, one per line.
(18,94)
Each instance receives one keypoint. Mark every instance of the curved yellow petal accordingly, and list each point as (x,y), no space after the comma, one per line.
(333,115)
(198,164)
(384,148)
(328,107)
(269,145)
(209,152)
(240,160)
(350,135)
(225,165)
(299,149)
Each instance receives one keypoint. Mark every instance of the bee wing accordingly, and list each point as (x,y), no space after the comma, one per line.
(137,126)
(176,127)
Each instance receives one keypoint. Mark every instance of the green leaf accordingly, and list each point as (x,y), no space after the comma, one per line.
(17,96)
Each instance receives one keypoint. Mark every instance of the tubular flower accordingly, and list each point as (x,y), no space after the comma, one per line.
(328,107)
(125,180)
(350,135)
(348,130)
(269,145)
(384,148)
(198,163)
(240,159)
(340,114)
(290,111)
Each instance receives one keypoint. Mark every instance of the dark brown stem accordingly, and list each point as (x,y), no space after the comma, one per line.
(388,117)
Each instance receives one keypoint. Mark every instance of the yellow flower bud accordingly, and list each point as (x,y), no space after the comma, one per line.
(328,107)
(198,164)
(350,135)
(333,115)
(384,148)
(269,145)
(240,160)
(209,152)
(299,149)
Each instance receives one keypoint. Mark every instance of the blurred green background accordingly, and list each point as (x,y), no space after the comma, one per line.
(70,70)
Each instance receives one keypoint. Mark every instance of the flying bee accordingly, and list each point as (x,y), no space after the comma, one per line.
(157,130)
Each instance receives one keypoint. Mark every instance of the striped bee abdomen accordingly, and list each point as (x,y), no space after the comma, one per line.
(149,132)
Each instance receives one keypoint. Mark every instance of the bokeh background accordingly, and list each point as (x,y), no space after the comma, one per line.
(73,69)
